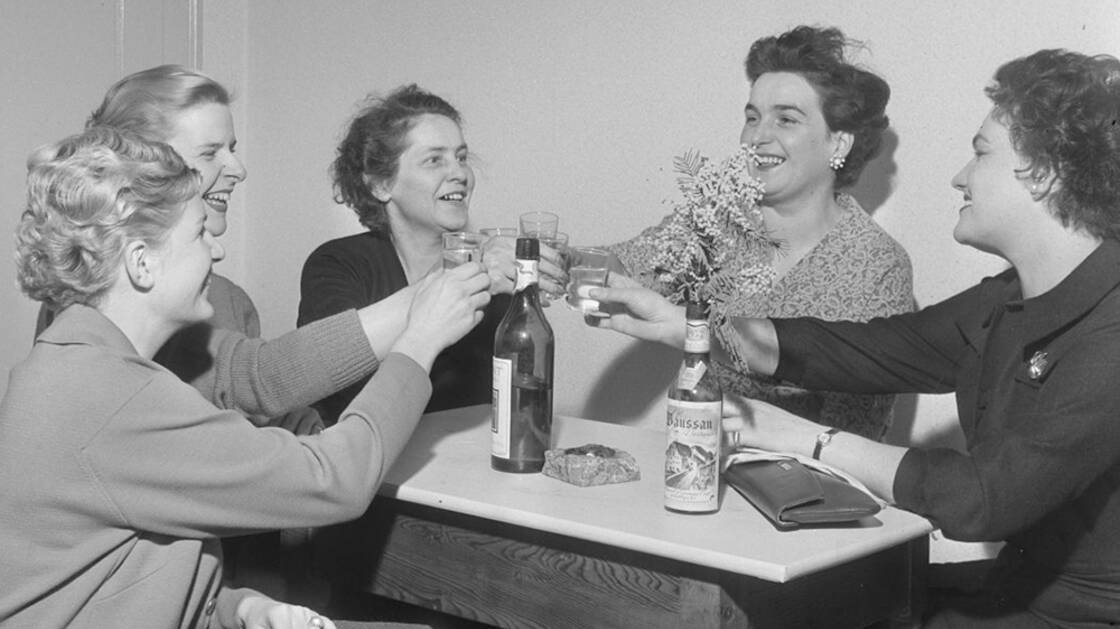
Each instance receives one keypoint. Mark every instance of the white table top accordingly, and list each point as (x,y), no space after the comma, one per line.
(447,465)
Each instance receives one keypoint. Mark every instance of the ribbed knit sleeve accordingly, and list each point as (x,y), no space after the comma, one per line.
(268,378)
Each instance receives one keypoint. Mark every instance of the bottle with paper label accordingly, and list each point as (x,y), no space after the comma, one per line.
(521,425)
(695,408)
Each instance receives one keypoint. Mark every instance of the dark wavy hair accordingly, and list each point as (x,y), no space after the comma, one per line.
(1062,109)
(853,99)
(371,150)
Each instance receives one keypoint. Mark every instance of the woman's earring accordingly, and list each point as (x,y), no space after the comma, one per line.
(836,162)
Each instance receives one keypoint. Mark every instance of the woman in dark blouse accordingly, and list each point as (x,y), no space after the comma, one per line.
(1032,354)
(403,168)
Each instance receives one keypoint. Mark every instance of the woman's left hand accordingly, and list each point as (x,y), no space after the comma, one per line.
(498,256)
(261,612)
(302,421)
(553,275)
(762,425)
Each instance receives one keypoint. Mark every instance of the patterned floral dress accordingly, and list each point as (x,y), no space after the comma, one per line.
(856,272)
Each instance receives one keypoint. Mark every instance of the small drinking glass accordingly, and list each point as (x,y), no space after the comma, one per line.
(460,247)
(589,270)
(539,224)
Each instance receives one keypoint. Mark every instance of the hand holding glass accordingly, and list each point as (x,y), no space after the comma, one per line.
(589,270)
(559,244)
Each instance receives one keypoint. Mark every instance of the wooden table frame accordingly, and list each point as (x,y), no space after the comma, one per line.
(512,575)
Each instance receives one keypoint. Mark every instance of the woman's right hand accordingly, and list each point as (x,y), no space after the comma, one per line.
(639,312)
(500,260)
(553,274)
(262,612)
(446,305)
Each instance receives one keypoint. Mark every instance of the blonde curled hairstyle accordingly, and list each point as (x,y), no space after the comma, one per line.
(88,196)
(147,101)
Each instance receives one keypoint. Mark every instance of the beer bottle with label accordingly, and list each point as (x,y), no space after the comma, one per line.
(521,423)
(695,407)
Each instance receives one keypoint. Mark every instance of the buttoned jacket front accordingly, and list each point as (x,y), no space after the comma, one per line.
(1037,383)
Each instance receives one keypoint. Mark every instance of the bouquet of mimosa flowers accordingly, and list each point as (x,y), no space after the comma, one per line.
(714,243)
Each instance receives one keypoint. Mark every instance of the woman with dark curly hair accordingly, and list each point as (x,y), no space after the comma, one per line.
(1032,355)
(814,120)
(403,168)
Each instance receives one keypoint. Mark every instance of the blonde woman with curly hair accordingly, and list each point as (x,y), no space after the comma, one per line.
(119,478)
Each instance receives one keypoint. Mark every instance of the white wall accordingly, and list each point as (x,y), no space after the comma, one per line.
(57,57)
(579,107)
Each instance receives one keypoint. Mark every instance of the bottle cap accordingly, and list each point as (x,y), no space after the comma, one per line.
(528,249)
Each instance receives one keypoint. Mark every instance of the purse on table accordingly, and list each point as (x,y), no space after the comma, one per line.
(791,493)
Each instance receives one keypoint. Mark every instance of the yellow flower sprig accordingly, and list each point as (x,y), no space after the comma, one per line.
(714,227)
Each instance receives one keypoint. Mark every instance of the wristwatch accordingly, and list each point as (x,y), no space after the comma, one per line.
(823,440)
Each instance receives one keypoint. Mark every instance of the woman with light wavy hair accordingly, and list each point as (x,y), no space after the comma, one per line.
(119,478)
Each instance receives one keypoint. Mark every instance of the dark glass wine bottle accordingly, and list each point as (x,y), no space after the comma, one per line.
(695,407)
(521,423)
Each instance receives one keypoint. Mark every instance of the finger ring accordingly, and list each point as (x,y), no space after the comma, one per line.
(316,622)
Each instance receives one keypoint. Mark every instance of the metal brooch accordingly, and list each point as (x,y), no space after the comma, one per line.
(1038,365)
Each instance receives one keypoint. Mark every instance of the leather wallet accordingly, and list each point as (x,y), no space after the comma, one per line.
(792,495)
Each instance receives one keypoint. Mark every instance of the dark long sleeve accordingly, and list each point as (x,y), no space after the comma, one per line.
(356,271)
(1036,388)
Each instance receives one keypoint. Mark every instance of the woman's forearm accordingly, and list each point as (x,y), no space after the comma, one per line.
(384,321)
(769,427)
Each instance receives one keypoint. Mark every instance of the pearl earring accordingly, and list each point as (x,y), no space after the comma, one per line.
(836,162)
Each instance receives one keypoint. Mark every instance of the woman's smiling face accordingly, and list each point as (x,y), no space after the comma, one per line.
(786,126)
(203,136)
(995,191)
(432,188)
(182,263)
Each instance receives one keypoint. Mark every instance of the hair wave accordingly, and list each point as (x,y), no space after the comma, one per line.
(853,99)
(1062,110)
(88,196)
(371,149)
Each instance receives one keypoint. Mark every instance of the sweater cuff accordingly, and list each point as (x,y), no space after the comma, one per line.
(342,344)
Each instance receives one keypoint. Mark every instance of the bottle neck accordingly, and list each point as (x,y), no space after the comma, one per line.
(528,274)
(697,338)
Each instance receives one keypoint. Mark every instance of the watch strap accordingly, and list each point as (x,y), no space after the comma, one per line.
(823,439)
